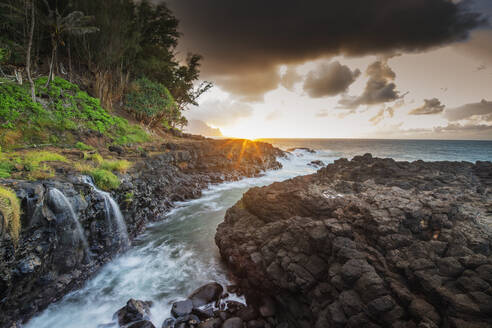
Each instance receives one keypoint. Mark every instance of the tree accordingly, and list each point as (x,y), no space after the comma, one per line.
(152,104)
(73,24)
(183,88)
(29,47)
(12,36)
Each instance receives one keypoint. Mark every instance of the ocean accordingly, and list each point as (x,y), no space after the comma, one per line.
(177,255)
(402,150)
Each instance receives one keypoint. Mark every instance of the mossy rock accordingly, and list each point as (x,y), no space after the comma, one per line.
(10,212)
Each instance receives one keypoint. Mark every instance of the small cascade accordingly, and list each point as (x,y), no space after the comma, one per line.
(57,196)
(111,211)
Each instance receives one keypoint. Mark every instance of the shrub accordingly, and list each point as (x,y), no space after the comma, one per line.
(10,210)
(105,179)
(5,168)
(152,104)
(120,165)
(82,146)
(96,158)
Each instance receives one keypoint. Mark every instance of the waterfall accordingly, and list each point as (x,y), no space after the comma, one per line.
(111,211)
(58,197)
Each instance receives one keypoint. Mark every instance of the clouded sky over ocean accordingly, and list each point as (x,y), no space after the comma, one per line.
(354,68)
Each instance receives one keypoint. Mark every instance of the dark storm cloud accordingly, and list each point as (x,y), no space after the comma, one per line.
(430,107)
(479,47)
(481,111)
(329,80)
(238,37)
(249,86)
(290,78)
(379,89)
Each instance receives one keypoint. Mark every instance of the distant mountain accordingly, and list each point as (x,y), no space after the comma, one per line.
(200,127)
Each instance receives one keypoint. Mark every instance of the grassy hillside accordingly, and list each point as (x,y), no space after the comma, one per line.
(62,116)
(65,129)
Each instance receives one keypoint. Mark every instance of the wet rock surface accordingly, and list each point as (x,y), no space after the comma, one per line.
(50,259)
(309,150)
(316,163)
(216,310)
(369,243)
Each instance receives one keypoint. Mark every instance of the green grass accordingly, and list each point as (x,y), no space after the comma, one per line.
(33,165)
(82,146)
(62,112)
(102,170)
(35,157)
(10,209)
(105,179)
(96,158)
(119,165)
(5,169)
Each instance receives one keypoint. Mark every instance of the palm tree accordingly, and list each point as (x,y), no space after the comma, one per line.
(74,23)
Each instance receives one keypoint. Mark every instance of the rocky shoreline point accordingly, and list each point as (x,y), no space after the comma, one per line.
(207,307)
(68,230)
(369,242)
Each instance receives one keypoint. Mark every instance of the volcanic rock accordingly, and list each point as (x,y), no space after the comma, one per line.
(206,294)
(134,311)
(369,243)
(181,308)
(316,163)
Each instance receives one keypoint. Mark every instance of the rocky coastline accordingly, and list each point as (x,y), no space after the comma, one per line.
(56,253)
(206,307)
(368,243)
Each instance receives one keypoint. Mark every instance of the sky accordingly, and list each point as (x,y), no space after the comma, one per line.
(342,69)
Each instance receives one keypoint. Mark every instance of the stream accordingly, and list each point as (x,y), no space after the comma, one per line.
(168,261)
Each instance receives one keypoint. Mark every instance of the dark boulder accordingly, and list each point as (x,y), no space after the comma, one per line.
(247,313)
(181,308)
(187,320)
(116,149)
(134,311)
(211,323)
(308,150)
(316,163)
(140,324)
(168,323)
(203,314)
(206,294)
(234,322)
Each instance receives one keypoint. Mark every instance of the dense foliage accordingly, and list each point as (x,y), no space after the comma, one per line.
(62,113)
(104,46)
(153,104)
